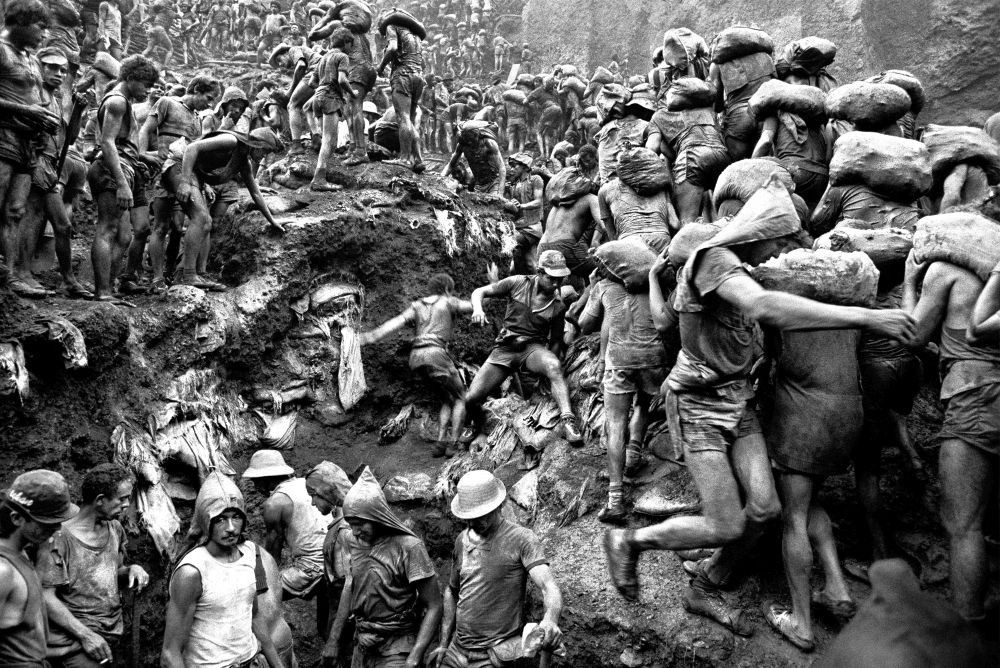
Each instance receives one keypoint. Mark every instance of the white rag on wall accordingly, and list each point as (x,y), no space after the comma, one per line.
(351,378)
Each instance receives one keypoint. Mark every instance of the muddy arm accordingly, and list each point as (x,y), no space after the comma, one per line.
(985,324)
(387,328)
(263,635)
(765,145)
(185,590)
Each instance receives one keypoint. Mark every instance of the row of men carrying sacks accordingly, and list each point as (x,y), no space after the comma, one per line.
(64,603)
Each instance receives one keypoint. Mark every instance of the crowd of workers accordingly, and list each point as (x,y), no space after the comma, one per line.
(766,392)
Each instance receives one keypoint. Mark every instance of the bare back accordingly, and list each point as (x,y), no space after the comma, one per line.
(572,222)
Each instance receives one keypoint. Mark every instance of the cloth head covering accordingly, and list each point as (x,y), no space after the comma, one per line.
(265,138)
(217,495)
(331,474)
(366,501)
(231,93)
(899,625)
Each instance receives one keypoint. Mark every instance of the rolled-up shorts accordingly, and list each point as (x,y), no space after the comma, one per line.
(973,417)
(437,368)
(327,103)
(630,381)
(227,192)
(103,181)
(513,358)
(700,165)
(19,149)
(362,79)
(578,259)
(411,85)
(710,420)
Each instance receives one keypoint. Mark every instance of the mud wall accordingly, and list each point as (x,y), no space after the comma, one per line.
(950,44)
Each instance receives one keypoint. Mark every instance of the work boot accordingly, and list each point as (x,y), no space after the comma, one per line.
(613,514)
(622,562)
(705,599)
(571,429)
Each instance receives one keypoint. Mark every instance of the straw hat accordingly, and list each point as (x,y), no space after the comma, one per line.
(267,464)
(479,493)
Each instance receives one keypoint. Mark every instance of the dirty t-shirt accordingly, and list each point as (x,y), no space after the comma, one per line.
(860,203)
(20,79)
(490,577)
(85,578)
(434,320)
(327,74)
(612,139)
(174,120)
(336,551)
(384,574)
(521,319)
(633,342)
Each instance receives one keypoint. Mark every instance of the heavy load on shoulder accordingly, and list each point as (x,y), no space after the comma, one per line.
(687,240)
(359,15)
(907,82)
(627,261)
(514,96)
(896,168)
(574,84)
(952,145)
(885,246)
(743,178)
(690,93)
(738,41)
(643,171)
(832,277)
(567,186)
(775,95)
(525,80)
(402,18)
(873,105)
(965,239)
(810,54)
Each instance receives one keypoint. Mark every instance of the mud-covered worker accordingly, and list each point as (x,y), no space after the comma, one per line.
(485,599)
(118,177)
(403,53)
(545,104)
(23,124)
(159,31)
(301,62)
(390,583)
(175,123)
(52,193)
(31,511)
(531,337)
(232,113)
(735,83)
(330,102)
(215,160)
(218,592)
(477,141)
(517,125)
(708,403)
(109,28)
(570,226)
(942,299)
(860,203)
(526,198)
(625,213)
(632,368)
(62,33)
(966,185)
(290,519)
(327,485)
(83,570)
(270,35)
(434,318)
(985,323)
(622,127)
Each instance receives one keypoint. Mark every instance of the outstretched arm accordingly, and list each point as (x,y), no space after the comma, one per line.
(390,326)
(251,183)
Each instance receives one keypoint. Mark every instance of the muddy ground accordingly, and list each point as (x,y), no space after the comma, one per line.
(382,233)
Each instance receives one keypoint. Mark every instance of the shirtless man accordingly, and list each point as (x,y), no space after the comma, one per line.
(109,28)
(433,316)
(31,512)
(271,33)
(215,160)
(625,213)
(527,197)
(402,50)
(301,62)
(159,31)
(117,180)
(942,298)
(477,141)
(570,228)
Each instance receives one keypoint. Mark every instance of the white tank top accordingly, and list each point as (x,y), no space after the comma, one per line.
(306,532)
(221,632)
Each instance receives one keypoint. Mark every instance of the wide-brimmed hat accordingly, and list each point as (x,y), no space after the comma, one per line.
(265,138)
(43,496)
(479,493)
(522,158)
(267,464)
(553,263)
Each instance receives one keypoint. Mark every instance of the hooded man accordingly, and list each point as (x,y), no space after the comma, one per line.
(708,399)
(218,591)
(391,578)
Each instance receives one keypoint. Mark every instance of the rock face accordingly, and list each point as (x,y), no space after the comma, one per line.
(949,44)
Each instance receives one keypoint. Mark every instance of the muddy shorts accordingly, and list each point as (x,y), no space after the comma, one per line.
(710,420)
(103,181)
(973,417)
(325,103)
(362,79)
(227,192)
(700,165)
(630,381)
(739,124)
(551,118)
(516,124)
(577,255)
(74,176)
(411,85)
(889,384)
(514,357)
(436,367)
(19,149)
(44,176)
(299,577)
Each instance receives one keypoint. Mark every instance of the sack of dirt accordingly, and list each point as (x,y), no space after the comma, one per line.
(683,45)
(603,76)
(775,95)
(743,178)
(573,84)
(567,186)
(611,101)
(525,80)
(351,384)
(690,93)
(404,19)
(896,168)
(832,277)
(690,236)
(870,105)
(952,145)
(514,96)
(962,238)
(643,171)
(357,16)
(908,82)
(627,261)
(885,246)
(809,54)
(738,41)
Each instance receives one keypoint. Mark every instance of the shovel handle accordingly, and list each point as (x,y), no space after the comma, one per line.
(544,658)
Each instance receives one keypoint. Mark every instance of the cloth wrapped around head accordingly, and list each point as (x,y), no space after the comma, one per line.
(331,475)
(366,501)
(217,495)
